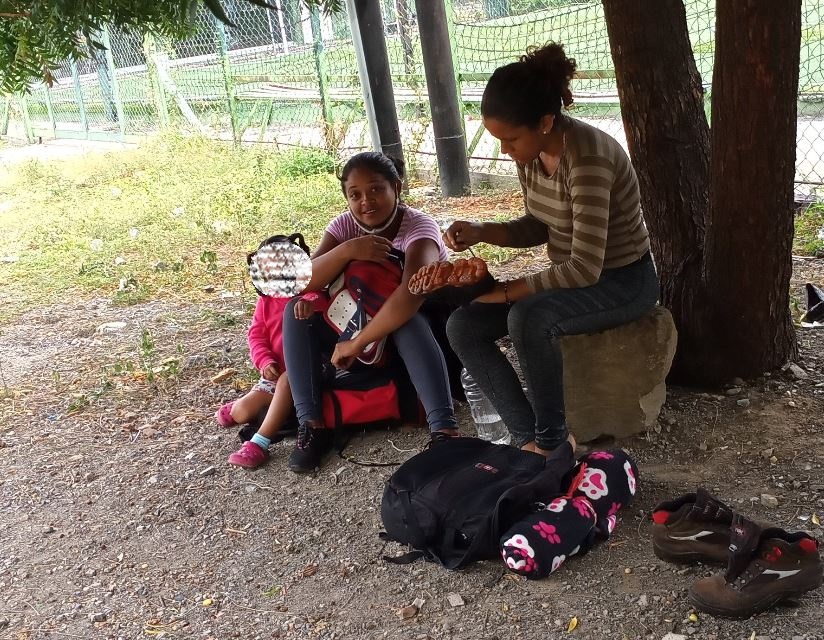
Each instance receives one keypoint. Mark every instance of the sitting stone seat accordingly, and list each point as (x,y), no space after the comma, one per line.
(614,380)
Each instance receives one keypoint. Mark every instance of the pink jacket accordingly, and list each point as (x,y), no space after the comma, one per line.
(266,333)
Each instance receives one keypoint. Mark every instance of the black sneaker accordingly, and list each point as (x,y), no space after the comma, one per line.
(310,448)
(437,437)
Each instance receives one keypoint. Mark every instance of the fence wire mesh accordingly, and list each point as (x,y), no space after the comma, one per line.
(290,77)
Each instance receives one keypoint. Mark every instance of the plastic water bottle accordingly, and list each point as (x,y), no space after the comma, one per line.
(489,423)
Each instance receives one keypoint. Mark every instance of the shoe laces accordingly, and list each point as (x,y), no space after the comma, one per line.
(304,436)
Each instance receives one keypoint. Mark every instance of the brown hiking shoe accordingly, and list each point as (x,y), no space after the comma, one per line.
(692,528)
(765,567)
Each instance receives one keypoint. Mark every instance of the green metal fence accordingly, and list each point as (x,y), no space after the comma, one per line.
(288,77)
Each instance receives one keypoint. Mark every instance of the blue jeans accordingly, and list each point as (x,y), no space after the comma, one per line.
(308,343)
(535,324)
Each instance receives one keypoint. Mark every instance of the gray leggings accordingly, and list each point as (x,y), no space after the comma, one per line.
(535,324)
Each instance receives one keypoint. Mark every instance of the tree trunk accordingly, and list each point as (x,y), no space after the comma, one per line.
(748,253)
(668,137)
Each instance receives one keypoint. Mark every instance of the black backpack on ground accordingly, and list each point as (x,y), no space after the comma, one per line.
(452,502)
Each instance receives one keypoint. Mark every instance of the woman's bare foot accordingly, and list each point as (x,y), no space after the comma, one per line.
(461,273)
(531,446)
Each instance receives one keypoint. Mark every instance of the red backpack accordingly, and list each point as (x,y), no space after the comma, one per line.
(356,296)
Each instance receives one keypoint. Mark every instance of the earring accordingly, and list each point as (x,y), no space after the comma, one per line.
(545,132)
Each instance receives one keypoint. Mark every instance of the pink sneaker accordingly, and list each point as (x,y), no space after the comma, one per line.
(224,416)
(249,456)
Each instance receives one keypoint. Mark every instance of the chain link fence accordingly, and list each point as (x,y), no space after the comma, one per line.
(288,77)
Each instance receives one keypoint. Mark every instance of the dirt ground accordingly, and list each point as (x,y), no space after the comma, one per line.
(119,517)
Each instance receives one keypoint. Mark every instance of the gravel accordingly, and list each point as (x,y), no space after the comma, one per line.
(120,519)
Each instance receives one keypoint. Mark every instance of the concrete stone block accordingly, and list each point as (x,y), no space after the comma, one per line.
(614,380)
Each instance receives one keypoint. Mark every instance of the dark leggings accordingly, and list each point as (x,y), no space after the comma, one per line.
(308,343)
(535,324)
(601,484)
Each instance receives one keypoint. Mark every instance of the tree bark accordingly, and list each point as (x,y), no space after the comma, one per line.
(748,253)
(662,105)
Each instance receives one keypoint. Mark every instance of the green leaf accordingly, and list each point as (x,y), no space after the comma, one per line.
(217,10)
(46,33)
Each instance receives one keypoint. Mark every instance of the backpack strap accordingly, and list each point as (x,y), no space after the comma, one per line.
(418,540)
(405,558)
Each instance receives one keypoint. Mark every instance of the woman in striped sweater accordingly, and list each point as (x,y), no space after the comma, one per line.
(582,200)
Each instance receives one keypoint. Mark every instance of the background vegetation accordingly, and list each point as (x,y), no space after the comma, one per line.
(177,216)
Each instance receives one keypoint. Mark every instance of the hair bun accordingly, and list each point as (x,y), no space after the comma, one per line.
(551,62)
(400,166)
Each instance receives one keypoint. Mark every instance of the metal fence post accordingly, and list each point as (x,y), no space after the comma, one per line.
(4,125)
(323,82)
(223,44)
(158,92)
(444,99)
(24,112)
(363,76)
(50,110)
(118,101)
(453,45)
(78,95)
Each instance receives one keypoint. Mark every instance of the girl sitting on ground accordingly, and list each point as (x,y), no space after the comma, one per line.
(375,223)
(265,339)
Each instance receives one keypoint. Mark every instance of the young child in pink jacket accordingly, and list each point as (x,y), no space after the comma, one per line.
(265,339)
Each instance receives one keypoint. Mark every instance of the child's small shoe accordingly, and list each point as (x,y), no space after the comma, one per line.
(224,416)
(249,456)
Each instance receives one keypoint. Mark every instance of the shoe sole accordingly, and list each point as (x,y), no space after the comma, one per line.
(760,606)
(301,470)
(422,283)
(249,467)
(685,557)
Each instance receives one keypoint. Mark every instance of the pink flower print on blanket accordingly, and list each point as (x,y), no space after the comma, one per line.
(557,561)
(584,508)
(630,477)
(548,532)
(594,484)
(519,555)
(600,455)
(557,505)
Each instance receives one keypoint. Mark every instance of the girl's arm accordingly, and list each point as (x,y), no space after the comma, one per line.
(401,305)
(328,261)
(332,256)
(258,338)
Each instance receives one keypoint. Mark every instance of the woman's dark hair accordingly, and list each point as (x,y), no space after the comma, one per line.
(523,92)
(390,168)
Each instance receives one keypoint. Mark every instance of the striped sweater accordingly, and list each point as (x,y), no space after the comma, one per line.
(588,212)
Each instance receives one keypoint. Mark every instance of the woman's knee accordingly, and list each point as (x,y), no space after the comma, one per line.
(527,321)
(458,328)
